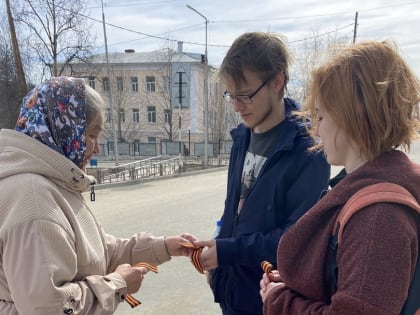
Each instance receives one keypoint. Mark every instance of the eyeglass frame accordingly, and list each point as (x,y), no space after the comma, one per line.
(244,99)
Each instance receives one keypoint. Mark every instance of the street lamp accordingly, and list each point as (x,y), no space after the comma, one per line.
(206,93)
(114,132)
(189,141)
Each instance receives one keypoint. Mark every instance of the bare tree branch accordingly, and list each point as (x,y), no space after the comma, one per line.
(58,31)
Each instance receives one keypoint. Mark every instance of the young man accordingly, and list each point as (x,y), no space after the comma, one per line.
(273,179)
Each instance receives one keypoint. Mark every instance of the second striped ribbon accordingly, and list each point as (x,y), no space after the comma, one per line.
(131,299)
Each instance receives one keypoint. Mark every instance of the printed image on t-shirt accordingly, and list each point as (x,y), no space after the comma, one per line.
(260,148)
(252,167)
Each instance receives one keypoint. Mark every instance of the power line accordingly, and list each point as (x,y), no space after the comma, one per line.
(195,43)
(323,34)
(166,38)
(136,32)
(144,37)
(135,4)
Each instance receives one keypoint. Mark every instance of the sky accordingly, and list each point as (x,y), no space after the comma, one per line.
(148,25)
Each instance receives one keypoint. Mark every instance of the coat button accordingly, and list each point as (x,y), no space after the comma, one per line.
(269,208)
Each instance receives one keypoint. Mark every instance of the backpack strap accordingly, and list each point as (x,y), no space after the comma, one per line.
(381,192)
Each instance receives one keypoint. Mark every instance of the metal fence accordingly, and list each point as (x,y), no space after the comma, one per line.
(151,167)
(166,148)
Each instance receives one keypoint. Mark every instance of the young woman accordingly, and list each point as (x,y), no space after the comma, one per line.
(366,104)
(55,258)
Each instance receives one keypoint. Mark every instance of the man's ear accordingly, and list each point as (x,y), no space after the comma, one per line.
(278,81)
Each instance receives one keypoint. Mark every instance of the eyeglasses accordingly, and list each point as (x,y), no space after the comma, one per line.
(244,99)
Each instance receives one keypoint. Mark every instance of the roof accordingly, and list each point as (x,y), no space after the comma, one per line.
(159,56)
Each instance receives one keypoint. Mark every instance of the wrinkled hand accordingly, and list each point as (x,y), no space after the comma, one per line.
(174,247)
(268,282)
(133,276)
(189,237)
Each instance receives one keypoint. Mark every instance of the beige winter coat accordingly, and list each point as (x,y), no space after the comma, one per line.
(54,256)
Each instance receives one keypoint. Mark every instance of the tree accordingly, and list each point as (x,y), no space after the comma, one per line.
(170,115)
(163,97)
(57,31)
(310,53)
(16,52)
(124,92)
(221,116)
(9,87)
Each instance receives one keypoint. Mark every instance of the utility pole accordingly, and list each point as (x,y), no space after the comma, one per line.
(114,132)
(180,96)
(206,92)
(16,53)
(355,26)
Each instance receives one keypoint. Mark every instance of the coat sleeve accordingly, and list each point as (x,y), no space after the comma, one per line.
(375,264)
(141,247)
(40,264)
(49,268)
(304,186)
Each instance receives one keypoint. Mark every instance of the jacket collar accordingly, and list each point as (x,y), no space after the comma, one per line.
(291,128)
(23,154)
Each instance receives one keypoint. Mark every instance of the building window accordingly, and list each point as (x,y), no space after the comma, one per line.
(151,139)
(134,84)
(136,115)
(151,114)
(150,84)
(122,115)
(167,116)
(120,83)
(105,82)
(91,81)
(108,115)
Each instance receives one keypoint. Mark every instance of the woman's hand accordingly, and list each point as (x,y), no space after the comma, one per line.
(268,282)
(133,276)
(174,244)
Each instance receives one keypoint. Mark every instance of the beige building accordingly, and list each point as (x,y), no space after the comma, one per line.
(157,100)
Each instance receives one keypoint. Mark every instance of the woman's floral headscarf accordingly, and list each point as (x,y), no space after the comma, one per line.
(55,114)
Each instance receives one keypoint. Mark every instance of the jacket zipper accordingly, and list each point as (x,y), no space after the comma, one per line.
(229,271)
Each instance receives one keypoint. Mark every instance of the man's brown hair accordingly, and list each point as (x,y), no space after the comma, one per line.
(263,53)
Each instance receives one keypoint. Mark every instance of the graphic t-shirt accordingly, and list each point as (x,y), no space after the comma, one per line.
(260,148)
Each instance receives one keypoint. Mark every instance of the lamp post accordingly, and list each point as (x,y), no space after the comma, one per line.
(179,135)
(189,141)
(114,132)
(206,93)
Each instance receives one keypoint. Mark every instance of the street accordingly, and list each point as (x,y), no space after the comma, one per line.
(167,207)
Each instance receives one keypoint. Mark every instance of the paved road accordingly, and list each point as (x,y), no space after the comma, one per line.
(167,207)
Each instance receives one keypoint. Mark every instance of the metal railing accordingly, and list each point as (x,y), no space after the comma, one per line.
(152,167)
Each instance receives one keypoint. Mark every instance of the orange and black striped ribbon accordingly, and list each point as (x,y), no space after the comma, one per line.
(195,257)
(266,267)
(129,298)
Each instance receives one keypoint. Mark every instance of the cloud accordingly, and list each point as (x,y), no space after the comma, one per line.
(228,19)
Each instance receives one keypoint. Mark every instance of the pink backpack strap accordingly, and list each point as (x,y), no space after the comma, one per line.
(381,192)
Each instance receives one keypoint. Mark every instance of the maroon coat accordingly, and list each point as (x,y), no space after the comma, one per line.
(375,260)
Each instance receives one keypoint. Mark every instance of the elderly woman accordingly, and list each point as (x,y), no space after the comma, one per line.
(55,258)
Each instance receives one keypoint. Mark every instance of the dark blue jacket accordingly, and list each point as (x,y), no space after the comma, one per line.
(290,182)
